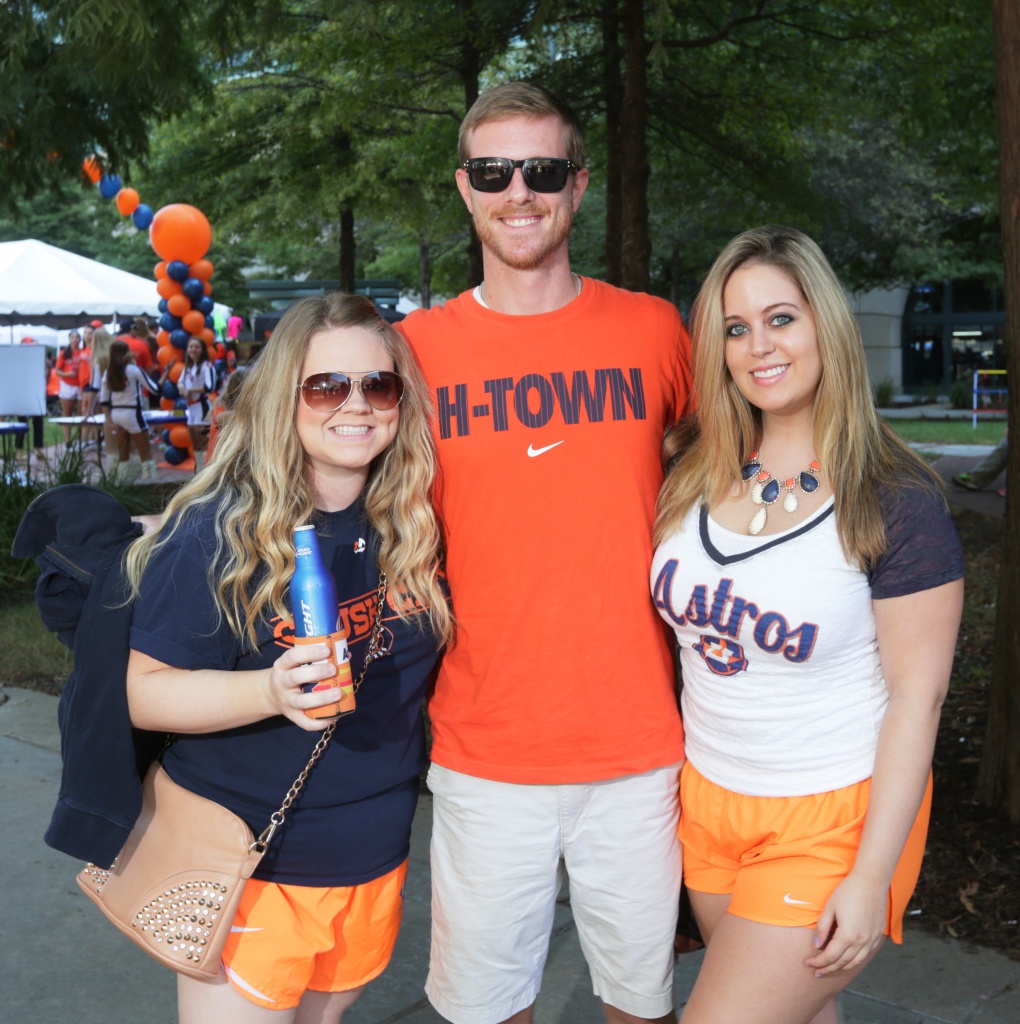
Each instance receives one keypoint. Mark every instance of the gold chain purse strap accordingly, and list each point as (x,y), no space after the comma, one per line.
(375,650)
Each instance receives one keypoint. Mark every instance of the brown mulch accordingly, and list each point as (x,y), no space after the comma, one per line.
(968,887)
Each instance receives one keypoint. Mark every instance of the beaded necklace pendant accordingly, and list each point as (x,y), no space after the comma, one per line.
(765,490)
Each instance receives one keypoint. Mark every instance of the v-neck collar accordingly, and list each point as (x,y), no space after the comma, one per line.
(770,542)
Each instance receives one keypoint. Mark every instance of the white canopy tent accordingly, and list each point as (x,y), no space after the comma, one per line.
(43,285)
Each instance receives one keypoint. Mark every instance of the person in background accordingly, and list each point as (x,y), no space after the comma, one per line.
(234,325)
(122,392)
(99,360)
(984,473)
(196,383)
(552,736)
(130,335)
(90,431)
(331,429)
(219,414)
(68,370)
(146,330)
(809,567)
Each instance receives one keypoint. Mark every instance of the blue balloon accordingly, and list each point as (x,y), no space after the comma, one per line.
(142,216)
(205,304)
(175,456)
(181,405)
(209,322)
(177,270)
(165,436)
(170,390)
(169,322)
(179,338)
(162,305)
(109,185)
(193,288)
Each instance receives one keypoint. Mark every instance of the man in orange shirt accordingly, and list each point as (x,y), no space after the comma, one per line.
(556,731)
(138,345)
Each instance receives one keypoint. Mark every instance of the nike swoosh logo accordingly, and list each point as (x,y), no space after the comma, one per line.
(533,451)
(788,898)
(234,928)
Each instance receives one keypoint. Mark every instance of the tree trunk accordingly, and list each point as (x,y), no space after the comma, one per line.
(612,87)
(634,168)
(676,272)
(347,248)
(425,274)
(999,774)
(470,72)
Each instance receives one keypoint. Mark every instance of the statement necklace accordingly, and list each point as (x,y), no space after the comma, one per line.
(766,490)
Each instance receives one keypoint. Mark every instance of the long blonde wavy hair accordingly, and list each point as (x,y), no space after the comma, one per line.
(856,448)
(259,481)
(101,339)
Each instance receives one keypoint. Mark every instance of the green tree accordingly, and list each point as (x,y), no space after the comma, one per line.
(333,114)
(64,92)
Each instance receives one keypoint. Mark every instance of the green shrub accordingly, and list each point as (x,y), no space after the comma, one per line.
(885,392)
(17,575)
(19,487)
(961,394)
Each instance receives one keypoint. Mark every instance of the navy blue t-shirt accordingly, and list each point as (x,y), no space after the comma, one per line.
(352,822)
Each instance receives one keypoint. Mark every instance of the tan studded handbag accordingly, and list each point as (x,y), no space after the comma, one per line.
(176,884)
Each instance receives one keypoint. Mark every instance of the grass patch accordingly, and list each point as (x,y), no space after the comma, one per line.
(948,431)
(33,658)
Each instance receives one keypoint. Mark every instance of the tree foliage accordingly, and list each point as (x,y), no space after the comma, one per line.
(306,127)
(82,75)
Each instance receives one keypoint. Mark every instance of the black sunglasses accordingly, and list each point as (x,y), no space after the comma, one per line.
(541,173)
(327,392)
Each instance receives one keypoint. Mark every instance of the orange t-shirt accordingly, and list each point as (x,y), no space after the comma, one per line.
(139,349)
(85,368)
(549,432)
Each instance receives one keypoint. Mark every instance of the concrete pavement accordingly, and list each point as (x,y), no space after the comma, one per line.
(62,963)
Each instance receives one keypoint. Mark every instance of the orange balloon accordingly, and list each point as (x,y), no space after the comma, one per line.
(193,321)
(178,305)
(127,201)
(176,370)
(166,355)
(210,351)
(207,334)
(92,170)
(180,232)
(202,269)
(179,437)
(207,287)
(159,270)
(166,404)
(163,339)
(167,287)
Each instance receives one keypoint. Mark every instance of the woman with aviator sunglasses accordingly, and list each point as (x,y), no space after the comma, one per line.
(331,429)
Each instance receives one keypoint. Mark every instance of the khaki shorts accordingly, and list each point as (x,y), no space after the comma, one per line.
(287,939)
(496,850)
(781,858)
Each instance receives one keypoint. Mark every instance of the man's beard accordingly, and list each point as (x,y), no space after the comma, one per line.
(530,256)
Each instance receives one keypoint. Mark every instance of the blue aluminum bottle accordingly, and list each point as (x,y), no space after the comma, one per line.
(312,590)
(314,606)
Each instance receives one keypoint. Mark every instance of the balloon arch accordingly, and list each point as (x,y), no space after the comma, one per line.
(180,235)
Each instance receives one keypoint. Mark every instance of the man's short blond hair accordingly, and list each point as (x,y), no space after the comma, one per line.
(521,99)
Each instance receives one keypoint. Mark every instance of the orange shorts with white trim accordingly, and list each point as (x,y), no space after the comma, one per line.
(287,939)
(781,858)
